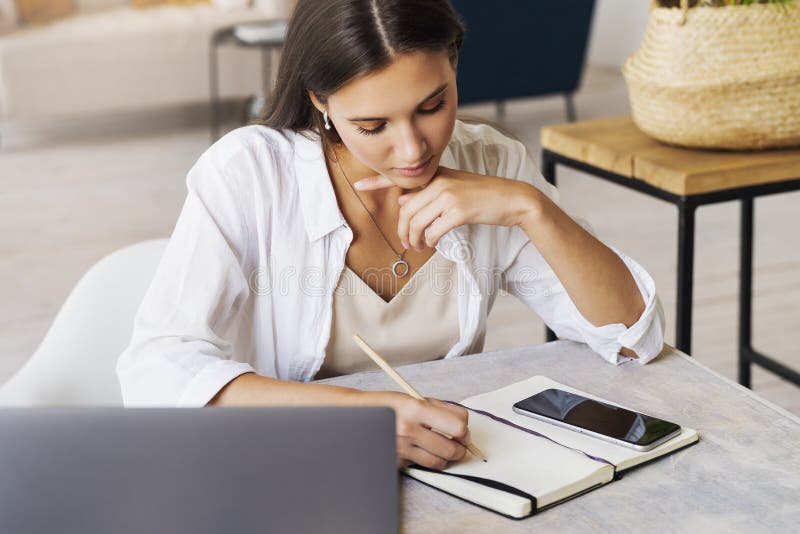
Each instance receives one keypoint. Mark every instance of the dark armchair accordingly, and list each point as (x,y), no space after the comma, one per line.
(522,48)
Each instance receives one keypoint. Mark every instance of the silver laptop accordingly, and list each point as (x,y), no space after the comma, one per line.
(202,470)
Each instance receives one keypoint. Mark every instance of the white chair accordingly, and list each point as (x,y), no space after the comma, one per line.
(76,362)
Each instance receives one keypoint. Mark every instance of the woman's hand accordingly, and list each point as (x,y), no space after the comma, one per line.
(453,198)
(417,441)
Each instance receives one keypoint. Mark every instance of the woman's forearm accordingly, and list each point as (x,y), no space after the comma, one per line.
(595,278)
(254,390)
(419,424)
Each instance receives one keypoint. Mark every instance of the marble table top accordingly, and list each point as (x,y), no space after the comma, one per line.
(744,475)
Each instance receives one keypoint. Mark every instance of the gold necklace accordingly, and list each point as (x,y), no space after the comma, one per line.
(400,267)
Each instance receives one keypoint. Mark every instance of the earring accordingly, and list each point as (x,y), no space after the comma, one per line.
(327,123)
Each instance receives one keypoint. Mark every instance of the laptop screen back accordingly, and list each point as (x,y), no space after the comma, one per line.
(204,470)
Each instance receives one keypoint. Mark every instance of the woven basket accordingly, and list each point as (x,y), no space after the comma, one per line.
(718,77)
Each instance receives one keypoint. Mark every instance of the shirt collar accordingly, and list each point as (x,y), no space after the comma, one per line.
(317,198)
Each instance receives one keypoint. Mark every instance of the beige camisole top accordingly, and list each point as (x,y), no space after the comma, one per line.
(419,324)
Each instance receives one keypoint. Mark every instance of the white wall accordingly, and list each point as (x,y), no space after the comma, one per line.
(617,31)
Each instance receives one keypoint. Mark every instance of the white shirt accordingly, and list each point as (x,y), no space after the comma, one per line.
(247,279)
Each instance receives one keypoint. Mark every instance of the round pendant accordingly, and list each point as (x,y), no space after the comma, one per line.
(401,266)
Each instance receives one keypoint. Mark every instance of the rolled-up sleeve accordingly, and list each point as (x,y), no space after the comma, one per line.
(178,354)
(531,279)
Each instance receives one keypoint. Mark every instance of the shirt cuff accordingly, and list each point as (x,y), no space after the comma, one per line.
(208,382)
(645,337)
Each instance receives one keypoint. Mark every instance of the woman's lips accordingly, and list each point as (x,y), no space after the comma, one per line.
(416,171)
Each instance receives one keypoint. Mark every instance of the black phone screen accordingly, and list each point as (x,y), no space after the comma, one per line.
(598,417)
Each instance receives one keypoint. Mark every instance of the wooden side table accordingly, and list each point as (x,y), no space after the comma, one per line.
(616,150)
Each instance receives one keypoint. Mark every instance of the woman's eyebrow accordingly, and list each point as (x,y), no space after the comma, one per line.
(438,90)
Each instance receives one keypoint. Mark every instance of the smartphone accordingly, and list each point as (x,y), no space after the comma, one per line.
(587,416)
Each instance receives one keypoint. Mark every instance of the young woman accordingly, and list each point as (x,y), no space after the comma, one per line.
(361,205)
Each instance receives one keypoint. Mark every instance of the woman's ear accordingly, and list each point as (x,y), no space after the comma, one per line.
(315,101)
(454,61)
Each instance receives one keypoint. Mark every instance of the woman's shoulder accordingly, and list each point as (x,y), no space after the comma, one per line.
(251,158)
(482,147)
(472,130)
(250,142)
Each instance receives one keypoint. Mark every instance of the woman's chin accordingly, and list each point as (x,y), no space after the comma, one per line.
(411,183)
(417,182)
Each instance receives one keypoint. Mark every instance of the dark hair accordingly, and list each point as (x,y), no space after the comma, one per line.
(332,42)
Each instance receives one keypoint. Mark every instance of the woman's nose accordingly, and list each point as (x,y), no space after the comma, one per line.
(411,146)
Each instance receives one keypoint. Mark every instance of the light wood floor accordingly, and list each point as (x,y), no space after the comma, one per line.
(66,204)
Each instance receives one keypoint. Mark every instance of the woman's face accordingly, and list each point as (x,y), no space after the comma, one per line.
(399,119)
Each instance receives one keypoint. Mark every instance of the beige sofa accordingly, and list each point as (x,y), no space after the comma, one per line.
(111,57)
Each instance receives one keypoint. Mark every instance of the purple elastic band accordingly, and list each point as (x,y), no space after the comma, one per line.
(529,431)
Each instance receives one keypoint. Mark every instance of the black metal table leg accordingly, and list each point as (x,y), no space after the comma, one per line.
(548,167)
(683,315)
(747,354)
(549,335)
(745,291)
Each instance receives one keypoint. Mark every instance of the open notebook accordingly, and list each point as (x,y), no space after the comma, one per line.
(527,473)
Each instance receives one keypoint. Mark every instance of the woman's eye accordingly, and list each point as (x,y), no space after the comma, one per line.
(379,129)
(434,109)
(374,131)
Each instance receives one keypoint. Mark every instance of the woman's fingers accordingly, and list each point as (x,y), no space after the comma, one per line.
(420,456)
(412,230)
(424,432)
(441,225)
(428,204)
(440,449)
(459,412)
(454,424)
(434,442)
